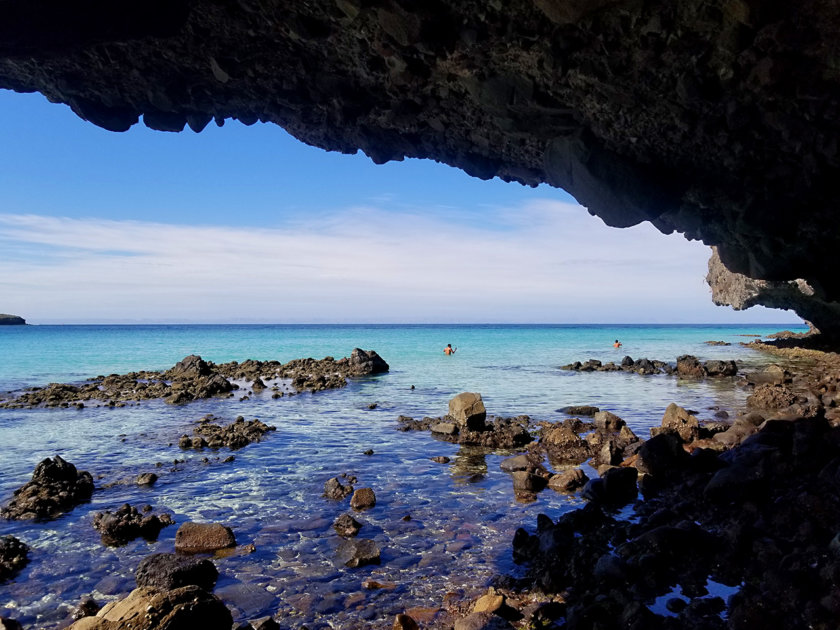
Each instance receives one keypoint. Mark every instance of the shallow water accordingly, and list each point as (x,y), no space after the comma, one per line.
(463,514)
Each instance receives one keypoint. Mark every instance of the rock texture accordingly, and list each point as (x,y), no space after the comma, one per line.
(56,486)
(715,119)
(741,292)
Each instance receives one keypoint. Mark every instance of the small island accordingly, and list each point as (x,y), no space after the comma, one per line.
(11,320)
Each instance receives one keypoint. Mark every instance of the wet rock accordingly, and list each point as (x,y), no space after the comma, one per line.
(347,526)
(265,623)
(681,422)
(482,621)
(519,462)
(55,487)
(363,499)
(525,482)
(127,523)
(9,624)
(192,366)
(717,368)
(88,607)
(146,479)
(743,427)
(363,363)
(662,456)
(772,375)
(568,481)
(563,443)
(13,557)
(688,365)
(580,410)
(404,622)
(234,436)
(769,396)
(203,538)
(335,490)
(444,428)
(467,410)
(440,459)
(167,571)
(617,486)
(151,609)
(606,421)
(358,552)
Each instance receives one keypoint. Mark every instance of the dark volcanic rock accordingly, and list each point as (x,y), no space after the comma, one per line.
(166,571)
(335,490)
(363,499)
(235,435)
(11,320)
(367,362)
(346,526)
(55,487)
(13,557)
(127,523)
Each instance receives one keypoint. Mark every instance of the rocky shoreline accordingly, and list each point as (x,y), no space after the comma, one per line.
(748,506)
(193,378)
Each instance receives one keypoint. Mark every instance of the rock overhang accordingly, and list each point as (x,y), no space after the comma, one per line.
(717,120)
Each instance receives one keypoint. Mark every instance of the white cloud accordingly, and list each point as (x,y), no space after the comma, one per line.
(543,262)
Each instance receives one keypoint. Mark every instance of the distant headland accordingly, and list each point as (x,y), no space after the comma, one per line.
(11,320)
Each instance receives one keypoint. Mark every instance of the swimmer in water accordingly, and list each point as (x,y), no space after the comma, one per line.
(449,349)
(617,344)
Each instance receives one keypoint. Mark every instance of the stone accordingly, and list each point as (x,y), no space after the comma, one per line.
(14,556)
(147,608)
(146,479)
(490,602)
(527,483)
(720,368)
(203,538)
(482,621)
(440,459)
(363,363)
(467,409)
(357,552)
(9,624)
(581,410)
(347,526)
(518,462)
(363,499)
(682,422)
(444,428)
(88,607)
(662,456)
(335,490)
(127,523)
(769,396)
(690,366)
(404,622)
(609,422)
(617,486)
(168,571)
(56,487)
(568,481)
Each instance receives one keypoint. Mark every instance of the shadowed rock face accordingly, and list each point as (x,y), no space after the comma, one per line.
(716,119)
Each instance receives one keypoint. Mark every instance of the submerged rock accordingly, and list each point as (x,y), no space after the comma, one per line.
(14,556)
(335,490)
(127,523)
(358,552)
(56,487)
(234,436)
(346,526)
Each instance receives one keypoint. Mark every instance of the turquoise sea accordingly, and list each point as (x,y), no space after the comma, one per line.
(463,514)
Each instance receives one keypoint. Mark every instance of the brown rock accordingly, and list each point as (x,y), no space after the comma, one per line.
(467,409)
(363,499)
(489,602)
(680,421)
(203,538)
(568,481)
(404,622)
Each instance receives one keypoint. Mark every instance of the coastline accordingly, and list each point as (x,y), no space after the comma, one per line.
(468,469)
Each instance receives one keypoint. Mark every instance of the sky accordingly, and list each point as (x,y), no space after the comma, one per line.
(247,224)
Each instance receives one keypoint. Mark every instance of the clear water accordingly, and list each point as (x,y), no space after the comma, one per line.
(463,514)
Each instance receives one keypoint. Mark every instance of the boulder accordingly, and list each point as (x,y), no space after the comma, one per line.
(364,362)
(358,552)
(346,526)
(688,365)
(335,490)
(720,368)
(9,624)
(580,410)
(681,422)
(363,499)
(203,538)
(148,608)
(13,557)
(190,367)
(127,523)
(525,482)
(482,621)
(404,622)
(617,486)
(55,487)
(662,456)
(167,571)
(518,462)
(467,409)
(568,481)
(609,422)
(769,396)
(444,428)
(146,479)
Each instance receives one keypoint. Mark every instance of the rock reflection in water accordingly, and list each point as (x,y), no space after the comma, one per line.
(469,465)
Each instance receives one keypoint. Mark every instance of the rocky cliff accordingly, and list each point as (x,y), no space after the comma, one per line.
(11,320)
(716,119)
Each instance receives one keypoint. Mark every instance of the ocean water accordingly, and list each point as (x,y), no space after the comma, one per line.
(463,514)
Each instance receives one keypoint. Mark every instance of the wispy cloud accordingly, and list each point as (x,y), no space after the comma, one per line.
(545,261)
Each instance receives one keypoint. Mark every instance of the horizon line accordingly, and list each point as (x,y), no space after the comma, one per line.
(270,323)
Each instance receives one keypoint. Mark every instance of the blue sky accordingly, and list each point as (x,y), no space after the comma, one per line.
(248,224)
